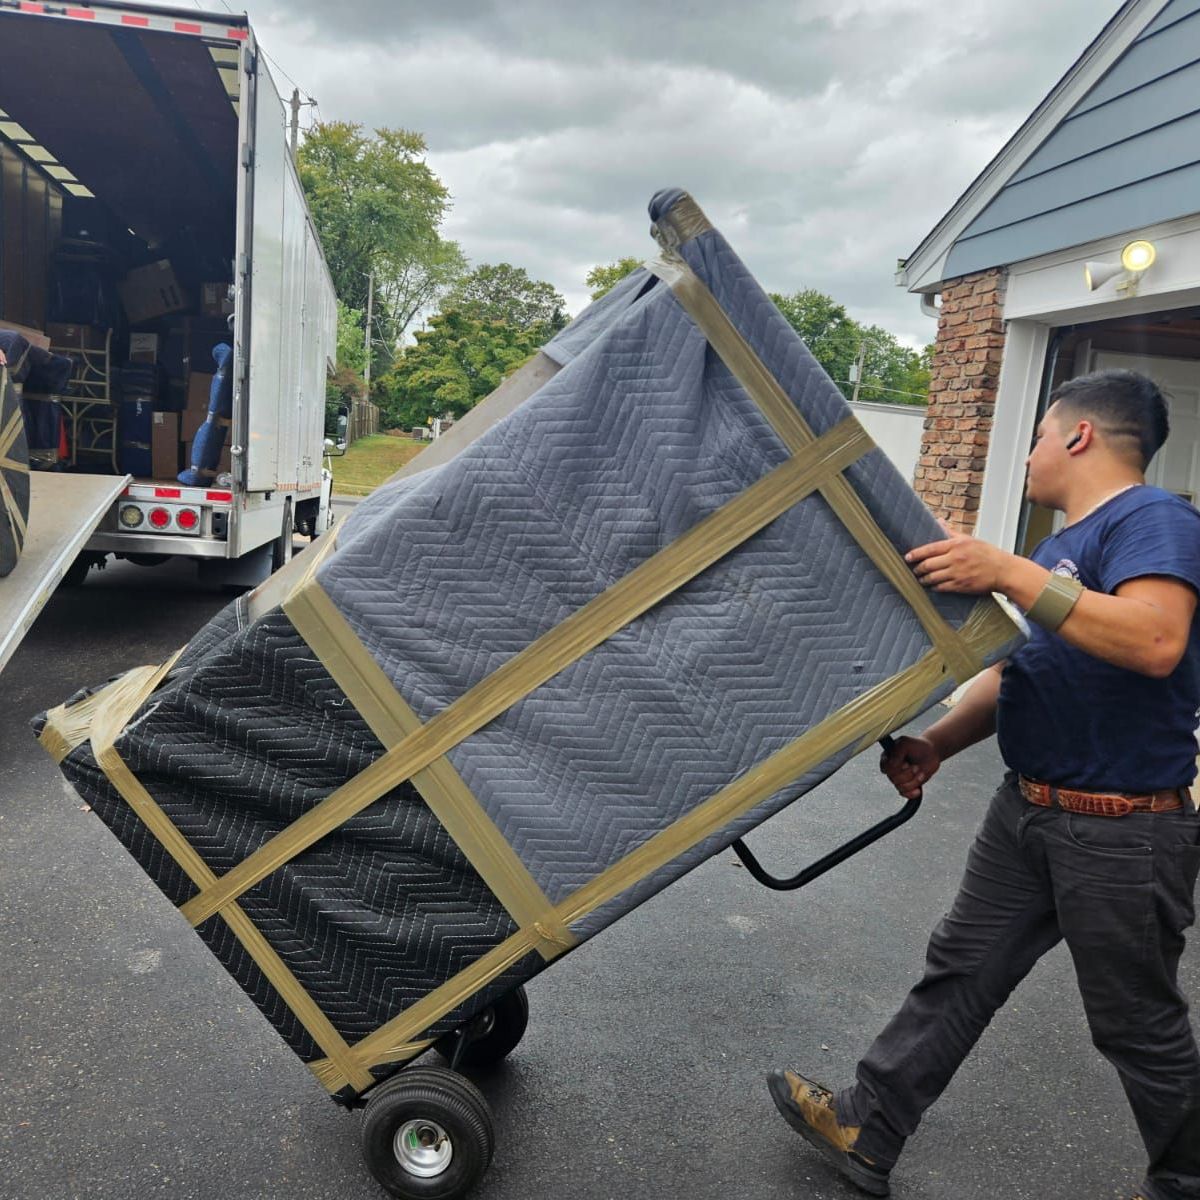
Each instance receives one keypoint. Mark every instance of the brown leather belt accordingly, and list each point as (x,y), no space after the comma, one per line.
(1102,804)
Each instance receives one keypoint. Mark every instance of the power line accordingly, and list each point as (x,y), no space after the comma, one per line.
(877,387)
(282,72)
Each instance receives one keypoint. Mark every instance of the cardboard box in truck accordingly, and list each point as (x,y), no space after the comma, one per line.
(215,300)
(65,336)
(196,410)
(165,446)
(151,291)
(143,347)
(35,337)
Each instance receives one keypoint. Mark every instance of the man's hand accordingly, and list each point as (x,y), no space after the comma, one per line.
(910,763)
(960,563)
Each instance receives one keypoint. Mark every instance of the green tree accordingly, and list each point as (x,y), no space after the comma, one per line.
(892,373)
(346,384)
(452,365)
(829,332)
(379,209)
(603,278)
(500,292)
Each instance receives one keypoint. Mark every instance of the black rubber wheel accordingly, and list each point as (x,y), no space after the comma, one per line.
(503,1026)
(77,572)
(427,1134)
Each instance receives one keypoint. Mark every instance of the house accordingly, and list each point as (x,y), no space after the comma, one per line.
(1077,248)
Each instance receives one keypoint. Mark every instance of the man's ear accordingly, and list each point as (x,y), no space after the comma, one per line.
(1082,437)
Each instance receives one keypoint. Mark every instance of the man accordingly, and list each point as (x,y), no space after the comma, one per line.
(1092,837)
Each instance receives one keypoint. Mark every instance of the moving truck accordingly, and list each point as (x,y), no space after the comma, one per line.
(152,224)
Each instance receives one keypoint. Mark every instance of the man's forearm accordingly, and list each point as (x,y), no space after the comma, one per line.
(1121,630)
(971,720)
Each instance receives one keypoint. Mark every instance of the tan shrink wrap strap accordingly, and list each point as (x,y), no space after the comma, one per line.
(763,388)
(330,637)
(863,721)
(8,439)
(673,566)
(684,220)
(70,725)
(121,700)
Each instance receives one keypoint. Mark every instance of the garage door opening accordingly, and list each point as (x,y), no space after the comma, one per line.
(1164,346)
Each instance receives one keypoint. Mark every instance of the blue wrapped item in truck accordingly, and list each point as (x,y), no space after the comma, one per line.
(205,452)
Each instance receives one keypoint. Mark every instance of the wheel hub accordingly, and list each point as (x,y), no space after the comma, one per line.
(423,1148)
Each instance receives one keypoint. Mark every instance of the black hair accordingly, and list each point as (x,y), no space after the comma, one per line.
(1122,404)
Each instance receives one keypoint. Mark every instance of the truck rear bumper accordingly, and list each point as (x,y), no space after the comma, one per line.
(152,543)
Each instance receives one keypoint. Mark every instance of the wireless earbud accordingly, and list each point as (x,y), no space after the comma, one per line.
(1074,441)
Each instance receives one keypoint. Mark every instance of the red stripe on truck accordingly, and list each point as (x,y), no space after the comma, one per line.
(187,27)
(238,35)
(142,22)
(81,14)
(28,7)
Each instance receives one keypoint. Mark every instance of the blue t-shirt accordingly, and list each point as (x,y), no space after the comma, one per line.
(1066,717)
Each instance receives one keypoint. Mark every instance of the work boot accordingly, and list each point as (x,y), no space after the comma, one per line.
(808,1108)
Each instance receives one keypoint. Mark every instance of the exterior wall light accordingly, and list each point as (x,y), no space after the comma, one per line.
(1136,258)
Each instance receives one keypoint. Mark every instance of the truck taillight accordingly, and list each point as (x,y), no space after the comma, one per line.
(130,516)
(160,518)
(187,518)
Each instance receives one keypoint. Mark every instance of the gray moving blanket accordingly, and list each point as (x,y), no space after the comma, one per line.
(622,770)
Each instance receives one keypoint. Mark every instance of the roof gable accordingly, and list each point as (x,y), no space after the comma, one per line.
(1115,146)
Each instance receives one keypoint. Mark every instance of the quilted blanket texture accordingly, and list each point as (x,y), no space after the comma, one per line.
(594,787)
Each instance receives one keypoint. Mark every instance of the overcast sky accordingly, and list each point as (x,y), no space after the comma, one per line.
(825,138)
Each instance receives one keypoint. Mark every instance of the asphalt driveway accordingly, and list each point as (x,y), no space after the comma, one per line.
(131,1066)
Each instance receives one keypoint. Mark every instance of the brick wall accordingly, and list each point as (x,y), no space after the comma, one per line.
(962,397)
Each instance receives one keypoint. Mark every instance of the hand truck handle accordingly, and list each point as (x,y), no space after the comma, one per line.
(834,857)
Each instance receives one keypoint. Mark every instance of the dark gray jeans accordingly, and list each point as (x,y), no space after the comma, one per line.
(1119,891)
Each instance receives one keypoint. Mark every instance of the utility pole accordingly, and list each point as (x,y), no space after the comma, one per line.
(296,104)
(370,302)
(859,364)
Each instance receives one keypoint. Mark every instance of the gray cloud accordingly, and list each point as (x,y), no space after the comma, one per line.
(825,137)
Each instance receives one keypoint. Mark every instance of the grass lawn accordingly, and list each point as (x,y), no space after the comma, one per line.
(371,460)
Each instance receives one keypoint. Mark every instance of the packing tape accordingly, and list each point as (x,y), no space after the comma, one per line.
(694,551)
(684,221)
(373,694)
(70,725)
(764,389)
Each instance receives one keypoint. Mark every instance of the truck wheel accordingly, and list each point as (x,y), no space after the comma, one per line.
(306,518)
(281,555)
(427,1134)
(77,572)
